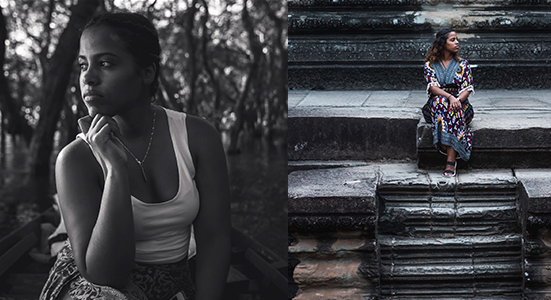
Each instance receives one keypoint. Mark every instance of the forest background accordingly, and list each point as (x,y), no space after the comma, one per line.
(224,60)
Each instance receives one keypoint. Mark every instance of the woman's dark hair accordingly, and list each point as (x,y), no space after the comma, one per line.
(437,48)
(138,35)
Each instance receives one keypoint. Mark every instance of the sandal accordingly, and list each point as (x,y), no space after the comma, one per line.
(449,173)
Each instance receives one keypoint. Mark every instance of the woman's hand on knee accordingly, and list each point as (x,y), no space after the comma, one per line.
(455,104)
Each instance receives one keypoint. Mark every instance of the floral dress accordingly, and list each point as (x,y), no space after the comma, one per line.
(160,282)
(448,127)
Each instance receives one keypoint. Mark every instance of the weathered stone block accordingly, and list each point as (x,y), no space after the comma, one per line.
(357,184)
(537,185)
(351,133)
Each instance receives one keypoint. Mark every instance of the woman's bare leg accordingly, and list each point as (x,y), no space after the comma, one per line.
(451,157)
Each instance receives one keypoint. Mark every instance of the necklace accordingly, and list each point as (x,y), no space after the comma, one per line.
(444,66)
(140,163)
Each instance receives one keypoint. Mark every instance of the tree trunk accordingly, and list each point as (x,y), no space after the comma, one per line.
(55,86)
(278,65)
(239,108)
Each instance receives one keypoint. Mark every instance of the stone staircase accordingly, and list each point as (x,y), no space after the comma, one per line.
(450,241)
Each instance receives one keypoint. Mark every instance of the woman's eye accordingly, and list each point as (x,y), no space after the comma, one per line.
(82,66)
(105,64)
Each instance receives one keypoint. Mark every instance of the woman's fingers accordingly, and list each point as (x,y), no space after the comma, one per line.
(95,120)
(105,130)
(99,121)
(101,129)
(85,123)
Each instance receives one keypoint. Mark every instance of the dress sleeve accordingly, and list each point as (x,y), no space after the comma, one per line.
(430,77)
(466,77)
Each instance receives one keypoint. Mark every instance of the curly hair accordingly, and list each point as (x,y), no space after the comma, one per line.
(138,35)
(437,48)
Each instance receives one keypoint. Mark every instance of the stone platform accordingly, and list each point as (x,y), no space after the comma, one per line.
(511,128)
(393,231)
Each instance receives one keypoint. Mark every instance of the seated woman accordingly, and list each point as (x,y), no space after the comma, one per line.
(136,180)
(449,84)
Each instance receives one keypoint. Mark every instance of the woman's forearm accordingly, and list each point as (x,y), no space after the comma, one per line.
(464,95)
(213,262)
(111,251)
(439,91)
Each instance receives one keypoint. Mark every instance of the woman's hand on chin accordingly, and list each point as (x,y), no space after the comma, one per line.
(102,134)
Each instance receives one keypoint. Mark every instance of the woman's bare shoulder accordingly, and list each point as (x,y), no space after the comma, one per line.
(200,127)
(76,150)
(77,159)
(202,136)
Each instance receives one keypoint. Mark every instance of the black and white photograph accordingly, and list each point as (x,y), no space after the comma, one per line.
(142,149)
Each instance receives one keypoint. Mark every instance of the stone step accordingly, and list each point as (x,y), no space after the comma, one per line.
(448,216)
(352,125)
(462,267)
(317,164)
(511,128)
(351,133)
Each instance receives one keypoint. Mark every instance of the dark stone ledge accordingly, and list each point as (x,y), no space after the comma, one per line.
(346,138)
(331,223)
(341,205)
(410,77)
(400,3)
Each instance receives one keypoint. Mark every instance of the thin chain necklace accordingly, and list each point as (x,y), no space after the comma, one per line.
(140,163)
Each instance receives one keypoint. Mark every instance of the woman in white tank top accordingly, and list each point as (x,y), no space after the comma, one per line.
(136,180)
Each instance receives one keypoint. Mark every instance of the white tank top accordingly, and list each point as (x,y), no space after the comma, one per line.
(163,230)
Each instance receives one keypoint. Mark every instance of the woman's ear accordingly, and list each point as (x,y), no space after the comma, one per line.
(148,74)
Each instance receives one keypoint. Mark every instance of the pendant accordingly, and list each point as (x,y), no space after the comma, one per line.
(143,171)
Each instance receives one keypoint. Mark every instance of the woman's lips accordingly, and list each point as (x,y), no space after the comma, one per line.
(91,95)
(89,98)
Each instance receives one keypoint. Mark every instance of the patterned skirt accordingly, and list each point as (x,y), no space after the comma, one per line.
(448,127)
(146,282)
